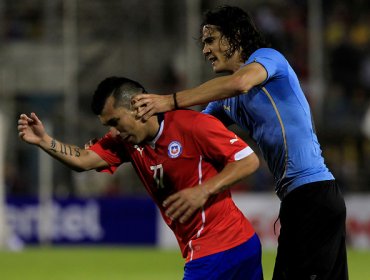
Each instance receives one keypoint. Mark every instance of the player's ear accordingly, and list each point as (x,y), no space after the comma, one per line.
(133,101)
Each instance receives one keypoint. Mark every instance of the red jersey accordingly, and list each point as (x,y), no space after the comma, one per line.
(189,148)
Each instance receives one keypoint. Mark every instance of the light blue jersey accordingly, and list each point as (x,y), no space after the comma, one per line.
(277,116)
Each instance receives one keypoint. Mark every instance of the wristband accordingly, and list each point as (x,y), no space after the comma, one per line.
(175,101)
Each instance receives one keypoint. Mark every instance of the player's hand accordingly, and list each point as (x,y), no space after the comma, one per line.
(146,105)
(182,205)
(30,129)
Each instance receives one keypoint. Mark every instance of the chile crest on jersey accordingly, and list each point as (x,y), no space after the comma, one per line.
(174,149)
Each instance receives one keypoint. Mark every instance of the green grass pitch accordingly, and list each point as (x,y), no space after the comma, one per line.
(123,263)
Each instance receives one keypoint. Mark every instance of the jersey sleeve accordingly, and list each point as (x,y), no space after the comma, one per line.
(272,60)
(215,109)
(216,142)
(112,151)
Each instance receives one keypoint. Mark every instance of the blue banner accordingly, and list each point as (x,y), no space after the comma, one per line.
(126,220)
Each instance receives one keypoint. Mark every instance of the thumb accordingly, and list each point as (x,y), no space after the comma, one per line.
(35,118)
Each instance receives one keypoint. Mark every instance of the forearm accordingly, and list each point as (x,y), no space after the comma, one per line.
(70,155)
(215,89)
(231,174)
(182,204)
(223,87)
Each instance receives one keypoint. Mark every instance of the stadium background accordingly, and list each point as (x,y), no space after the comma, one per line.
(54,53)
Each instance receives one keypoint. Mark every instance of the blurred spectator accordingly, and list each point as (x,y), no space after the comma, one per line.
(121,32)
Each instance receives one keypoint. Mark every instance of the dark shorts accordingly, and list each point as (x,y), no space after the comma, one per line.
(312,242)
(242,262)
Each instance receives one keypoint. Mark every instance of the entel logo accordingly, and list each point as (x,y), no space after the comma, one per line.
(74,222)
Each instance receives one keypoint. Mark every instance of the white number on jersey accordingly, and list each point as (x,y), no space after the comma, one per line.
(158,176)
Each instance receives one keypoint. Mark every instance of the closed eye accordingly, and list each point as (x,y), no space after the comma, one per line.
(112,122)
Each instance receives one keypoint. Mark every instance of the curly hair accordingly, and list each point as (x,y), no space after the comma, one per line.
(237,27)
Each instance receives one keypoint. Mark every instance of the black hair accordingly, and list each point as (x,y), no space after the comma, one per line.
(122,89)
(237,27)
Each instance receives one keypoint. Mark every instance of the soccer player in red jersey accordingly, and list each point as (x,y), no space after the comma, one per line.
(171,153)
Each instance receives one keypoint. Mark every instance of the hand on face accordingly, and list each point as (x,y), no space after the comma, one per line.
(147,105)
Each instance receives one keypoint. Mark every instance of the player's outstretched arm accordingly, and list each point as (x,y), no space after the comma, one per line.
(32,131)
(218,88)
(182,205)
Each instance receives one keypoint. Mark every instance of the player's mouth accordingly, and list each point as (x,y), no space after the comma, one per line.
(212,59)
(124,137)
(130,139)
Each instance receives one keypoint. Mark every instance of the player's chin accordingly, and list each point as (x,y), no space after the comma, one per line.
(217,68)
(132,140)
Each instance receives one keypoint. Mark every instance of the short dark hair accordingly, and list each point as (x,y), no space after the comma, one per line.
(237,27)
(122,89)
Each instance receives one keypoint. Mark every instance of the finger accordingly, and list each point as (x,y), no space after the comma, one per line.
(184,208)
(137,103)
(35,118)
(22,121)
(171,210)
(143,110)
(187,215)
(139,97)
(169,200)
(139,112)
(137,100)
(25,118)
(21,127)
(148,115)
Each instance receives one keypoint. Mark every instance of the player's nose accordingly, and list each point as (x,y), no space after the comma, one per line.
(206,51)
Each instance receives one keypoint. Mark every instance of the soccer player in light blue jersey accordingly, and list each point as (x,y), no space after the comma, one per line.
(262,94)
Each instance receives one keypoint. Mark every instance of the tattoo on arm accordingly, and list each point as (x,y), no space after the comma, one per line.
(77,151)
(53,145)
(65,149)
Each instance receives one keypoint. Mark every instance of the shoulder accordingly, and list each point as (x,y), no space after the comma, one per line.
(265,52)
(272,60)
(213,107)
(109,142)
(181,116)
(267,56)
(188,118)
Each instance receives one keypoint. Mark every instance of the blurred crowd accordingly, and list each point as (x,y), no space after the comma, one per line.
(342,122)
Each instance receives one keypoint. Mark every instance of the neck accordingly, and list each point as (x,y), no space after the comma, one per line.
(153,126)
(235,62)
(237,66)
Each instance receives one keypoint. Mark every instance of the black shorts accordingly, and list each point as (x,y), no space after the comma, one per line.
(312,243)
